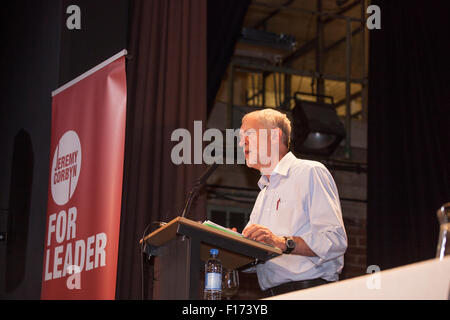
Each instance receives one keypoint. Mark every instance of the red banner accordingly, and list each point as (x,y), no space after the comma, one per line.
(85,184)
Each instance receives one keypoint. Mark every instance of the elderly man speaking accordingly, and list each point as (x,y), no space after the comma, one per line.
(297,209)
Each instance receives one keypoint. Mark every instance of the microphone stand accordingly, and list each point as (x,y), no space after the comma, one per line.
(198,185)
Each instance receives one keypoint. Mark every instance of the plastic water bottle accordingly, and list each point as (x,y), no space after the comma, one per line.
(213,277)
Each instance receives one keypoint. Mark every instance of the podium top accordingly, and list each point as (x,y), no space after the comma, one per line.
(234,251)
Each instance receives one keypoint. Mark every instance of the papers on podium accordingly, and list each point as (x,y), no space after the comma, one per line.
(219,227)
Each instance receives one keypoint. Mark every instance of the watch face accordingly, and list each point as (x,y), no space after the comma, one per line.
(290,244)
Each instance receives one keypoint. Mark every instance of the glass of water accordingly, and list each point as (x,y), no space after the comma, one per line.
(443,247)
(230,283)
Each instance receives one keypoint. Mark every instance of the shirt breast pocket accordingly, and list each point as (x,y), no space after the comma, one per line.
(288,213)
(285,207)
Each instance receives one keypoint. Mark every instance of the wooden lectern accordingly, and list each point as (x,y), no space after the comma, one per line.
(181,245)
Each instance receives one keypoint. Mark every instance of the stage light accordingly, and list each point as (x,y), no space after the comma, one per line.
(316,128)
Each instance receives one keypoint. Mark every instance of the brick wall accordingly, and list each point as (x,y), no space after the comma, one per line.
(352,187)
(355,259)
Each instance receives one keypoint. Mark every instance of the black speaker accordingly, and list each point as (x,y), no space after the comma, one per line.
(316,128)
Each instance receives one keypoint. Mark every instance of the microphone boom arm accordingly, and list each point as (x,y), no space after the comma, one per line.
(198,185)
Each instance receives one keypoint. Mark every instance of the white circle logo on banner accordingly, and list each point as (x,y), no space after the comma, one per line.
(66,167)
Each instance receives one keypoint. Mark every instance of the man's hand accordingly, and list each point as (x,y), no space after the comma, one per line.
(261,233)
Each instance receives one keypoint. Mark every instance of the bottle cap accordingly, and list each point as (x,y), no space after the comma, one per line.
(214,252)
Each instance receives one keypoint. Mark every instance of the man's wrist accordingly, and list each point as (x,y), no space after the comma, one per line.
(281,243)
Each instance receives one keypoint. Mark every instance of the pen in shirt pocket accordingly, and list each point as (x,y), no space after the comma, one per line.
(278,203)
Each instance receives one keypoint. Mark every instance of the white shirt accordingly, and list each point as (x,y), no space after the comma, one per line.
(301,200)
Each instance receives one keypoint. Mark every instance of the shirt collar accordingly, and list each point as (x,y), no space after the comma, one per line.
(282,168)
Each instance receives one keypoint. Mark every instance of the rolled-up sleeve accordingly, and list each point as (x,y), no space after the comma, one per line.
(326,235)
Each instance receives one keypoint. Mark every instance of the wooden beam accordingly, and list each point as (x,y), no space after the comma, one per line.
(263,21)
(342,40)
(311,44)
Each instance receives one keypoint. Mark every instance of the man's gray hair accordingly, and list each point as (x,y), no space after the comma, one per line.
(272,119)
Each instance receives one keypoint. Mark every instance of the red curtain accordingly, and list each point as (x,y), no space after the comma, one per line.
(166,76)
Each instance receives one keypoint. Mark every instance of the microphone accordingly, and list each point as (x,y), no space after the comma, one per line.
(202,180)
(197,187)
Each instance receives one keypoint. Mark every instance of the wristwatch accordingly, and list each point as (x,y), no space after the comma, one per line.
(290,244)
